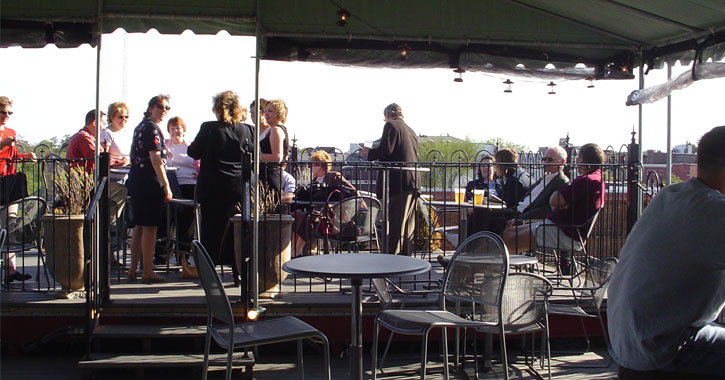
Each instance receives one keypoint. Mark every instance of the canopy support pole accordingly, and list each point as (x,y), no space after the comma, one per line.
(668,172)
(99,288)
(640,157)
(254,275)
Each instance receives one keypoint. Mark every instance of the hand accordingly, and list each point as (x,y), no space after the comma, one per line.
(168,195)
(125,161)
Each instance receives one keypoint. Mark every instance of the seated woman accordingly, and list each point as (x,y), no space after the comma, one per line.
(484,181)
(572,205)
(321,174)
(512,184)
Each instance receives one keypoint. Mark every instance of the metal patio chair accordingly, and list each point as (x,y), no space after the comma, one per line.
(467,282)
(230,335)
(590,295)
(352,221)
(21,220)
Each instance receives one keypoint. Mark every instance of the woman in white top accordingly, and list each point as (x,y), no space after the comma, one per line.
(116,138)
(186,172)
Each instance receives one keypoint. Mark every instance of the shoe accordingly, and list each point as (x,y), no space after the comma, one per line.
(159,260)
(153,279)
(17,276)
(131,277)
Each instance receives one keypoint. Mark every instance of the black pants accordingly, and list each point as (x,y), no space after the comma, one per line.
(216,232)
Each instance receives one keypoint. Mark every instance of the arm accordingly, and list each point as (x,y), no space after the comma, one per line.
(276,139)
(158,165)
(340,181)
(387,142)
(558,202)
(196,148)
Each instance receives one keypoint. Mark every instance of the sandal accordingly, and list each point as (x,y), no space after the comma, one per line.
(131,277)
(153,279)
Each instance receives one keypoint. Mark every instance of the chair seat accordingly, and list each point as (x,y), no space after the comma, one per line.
(574,311)
(265,332)
(416,322)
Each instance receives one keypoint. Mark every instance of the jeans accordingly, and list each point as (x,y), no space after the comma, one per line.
(702,353)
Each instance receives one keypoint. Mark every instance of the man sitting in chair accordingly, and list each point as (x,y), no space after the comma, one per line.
(574,204)
(535,204)
(669,286)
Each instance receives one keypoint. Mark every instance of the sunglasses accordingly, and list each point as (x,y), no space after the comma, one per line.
(159,106)
(122,116)
(6,112)
(548,159)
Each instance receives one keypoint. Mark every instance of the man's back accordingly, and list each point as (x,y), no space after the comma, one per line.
(670,277)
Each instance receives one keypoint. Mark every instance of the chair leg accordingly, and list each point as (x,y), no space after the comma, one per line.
(205,365)
(504,358)
(424,354)
(326,352)
(230,353)
(385,353)
(300,361)
(444,340)
(376,331)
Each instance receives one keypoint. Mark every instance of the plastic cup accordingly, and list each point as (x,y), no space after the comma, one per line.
(459,195)
(478,197)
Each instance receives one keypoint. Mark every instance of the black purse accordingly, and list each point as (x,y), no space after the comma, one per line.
(13,187)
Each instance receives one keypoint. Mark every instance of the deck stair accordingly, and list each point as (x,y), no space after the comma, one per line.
(151,337)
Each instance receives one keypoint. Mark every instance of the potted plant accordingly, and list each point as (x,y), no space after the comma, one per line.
(275,232)
(63,229)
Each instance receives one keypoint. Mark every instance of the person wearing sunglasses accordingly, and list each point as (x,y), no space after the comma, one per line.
(116,138)
(9,189)
(148,186)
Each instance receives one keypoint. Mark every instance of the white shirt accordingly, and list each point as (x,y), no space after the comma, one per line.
(288,184)
(535,192)
(185,168)
(119,146)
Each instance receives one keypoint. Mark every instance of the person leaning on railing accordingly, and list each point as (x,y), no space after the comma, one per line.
(572,205)
(10,188)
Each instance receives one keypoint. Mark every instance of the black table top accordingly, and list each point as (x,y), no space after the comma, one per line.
(356,266)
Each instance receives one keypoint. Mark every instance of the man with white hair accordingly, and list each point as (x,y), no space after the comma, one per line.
(535,203)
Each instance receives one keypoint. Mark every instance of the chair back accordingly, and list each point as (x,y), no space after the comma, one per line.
(3,234)
(219,307)
(477,274)
(382,290)
(353,218)
(23,223)
(591,223)
(597,278)
(524,300)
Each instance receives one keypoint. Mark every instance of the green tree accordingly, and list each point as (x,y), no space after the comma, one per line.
(501,143)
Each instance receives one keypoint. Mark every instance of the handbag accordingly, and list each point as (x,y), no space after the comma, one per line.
(13,187)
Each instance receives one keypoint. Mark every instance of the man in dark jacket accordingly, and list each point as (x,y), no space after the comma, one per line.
(399,146)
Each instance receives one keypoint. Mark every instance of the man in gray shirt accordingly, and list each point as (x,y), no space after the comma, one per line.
(669,285)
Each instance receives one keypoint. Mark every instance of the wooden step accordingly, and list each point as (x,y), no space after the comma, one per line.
(99,361)
(148,331)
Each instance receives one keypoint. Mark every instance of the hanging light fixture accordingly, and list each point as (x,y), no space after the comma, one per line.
(342,16)
(508,84)
(460,72)
(591,83)
(403,53)
(552,84)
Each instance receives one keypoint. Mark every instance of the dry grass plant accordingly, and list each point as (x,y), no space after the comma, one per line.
(72,190)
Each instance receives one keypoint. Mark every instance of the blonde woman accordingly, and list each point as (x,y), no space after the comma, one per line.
(273,144)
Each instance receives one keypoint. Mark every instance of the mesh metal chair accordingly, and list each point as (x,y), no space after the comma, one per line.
(229,335)
(565,261)
(469,280)
(353,222)
(590,295)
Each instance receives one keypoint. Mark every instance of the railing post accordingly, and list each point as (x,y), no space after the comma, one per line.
(635,196)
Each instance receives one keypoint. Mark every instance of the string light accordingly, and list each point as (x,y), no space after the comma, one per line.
(403,53)
(342,15)
(460,72)
(508,84)
(552,84)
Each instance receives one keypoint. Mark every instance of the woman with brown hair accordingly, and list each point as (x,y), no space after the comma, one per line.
(148,186)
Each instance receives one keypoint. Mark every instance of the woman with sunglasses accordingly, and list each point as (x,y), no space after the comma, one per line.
(148,186)
(8,192)
(116,138)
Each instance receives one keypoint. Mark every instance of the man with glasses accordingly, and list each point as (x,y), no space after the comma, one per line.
(535,203)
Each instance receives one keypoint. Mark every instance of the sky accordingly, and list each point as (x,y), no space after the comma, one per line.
(52,90)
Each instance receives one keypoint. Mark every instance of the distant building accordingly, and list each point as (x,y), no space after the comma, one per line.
(684,165)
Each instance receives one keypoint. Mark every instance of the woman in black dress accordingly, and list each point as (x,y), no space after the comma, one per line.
(220,145)
(273,145)
(148,187)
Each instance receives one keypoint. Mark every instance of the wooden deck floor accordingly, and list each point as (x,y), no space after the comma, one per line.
(398,367)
